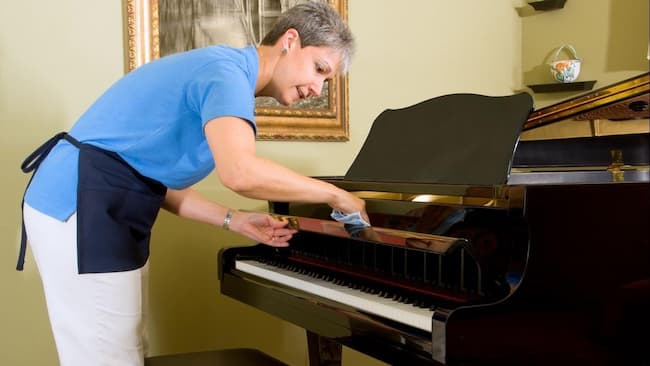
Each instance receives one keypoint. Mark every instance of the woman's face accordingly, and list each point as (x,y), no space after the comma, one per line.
(301,72)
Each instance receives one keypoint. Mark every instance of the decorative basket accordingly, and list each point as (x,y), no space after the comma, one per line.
(565,71)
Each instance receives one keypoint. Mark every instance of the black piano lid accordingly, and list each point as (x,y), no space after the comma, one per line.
(451,139)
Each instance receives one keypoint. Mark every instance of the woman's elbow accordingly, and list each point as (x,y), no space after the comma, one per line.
(237,182)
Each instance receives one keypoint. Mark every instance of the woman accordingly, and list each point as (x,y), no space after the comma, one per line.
(96,191)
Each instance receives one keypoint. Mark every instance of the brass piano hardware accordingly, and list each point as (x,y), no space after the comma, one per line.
(616,166)
(430,198)
(617,157)
(459,200)
(578,169)
(425,198)
(497,200)
(618,175)
(292,221)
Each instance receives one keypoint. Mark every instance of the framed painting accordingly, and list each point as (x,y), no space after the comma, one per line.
(156,28)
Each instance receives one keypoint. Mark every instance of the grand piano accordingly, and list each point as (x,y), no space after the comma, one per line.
(484,249)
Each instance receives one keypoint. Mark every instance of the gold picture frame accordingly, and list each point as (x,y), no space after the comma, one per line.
(328,123)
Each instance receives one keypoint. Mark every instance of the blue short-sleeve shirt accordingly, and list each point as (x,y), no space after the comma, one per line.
(153,118)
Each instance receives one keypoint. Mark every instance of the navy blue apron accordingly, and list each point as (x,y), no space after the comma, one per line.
(116,209)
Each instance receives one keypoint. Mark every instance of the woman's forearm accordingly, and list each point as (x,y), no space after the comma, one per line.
(190,204)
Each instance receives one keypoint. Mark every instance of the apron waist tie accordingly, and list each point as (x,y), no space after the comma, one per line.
(31,164)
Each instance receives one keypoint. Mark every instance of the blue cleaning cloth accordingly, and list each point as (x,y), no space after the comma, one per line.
(353,219)
(353,223)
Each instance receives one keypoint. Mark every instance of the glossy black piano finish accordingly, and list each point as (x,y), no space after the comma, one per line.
(496,235)
(541,272)
(585,284)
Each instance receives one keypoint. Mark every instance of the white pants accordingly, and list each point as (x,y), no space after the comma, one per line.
(96,319)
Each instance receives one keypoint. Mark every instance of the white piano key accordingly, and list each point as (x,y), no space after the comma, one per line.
(385,307)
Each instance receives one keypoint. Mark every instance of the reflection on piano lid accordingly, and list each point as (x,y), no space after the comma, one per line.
(483,250)
(400,238)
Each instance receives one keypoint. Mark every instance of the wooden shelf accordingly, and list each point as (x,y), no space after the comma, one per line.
(545,5)
(563,87)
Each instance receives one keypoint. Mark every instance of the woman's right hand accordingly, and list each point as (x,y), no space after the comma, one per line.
(348,203)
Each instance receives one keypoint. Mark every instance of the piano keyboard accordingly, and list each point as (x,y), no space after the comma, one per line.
(396,311)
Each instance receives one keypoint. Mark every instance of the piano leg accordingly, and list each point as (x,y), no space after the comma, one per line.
(323,351)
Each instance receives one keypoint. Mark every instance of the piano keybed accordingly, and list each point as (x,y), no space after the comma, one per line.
(402,284)
(400,308)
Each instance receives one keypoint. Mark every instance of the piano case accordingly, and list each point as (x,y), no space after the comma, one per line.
(466,262)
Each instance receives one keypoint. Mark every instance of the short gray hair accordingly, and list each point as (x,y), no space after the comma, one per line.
(319,25)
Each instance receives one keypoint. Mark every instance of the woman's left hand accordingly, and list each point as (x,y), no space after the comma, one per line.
(262,228)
